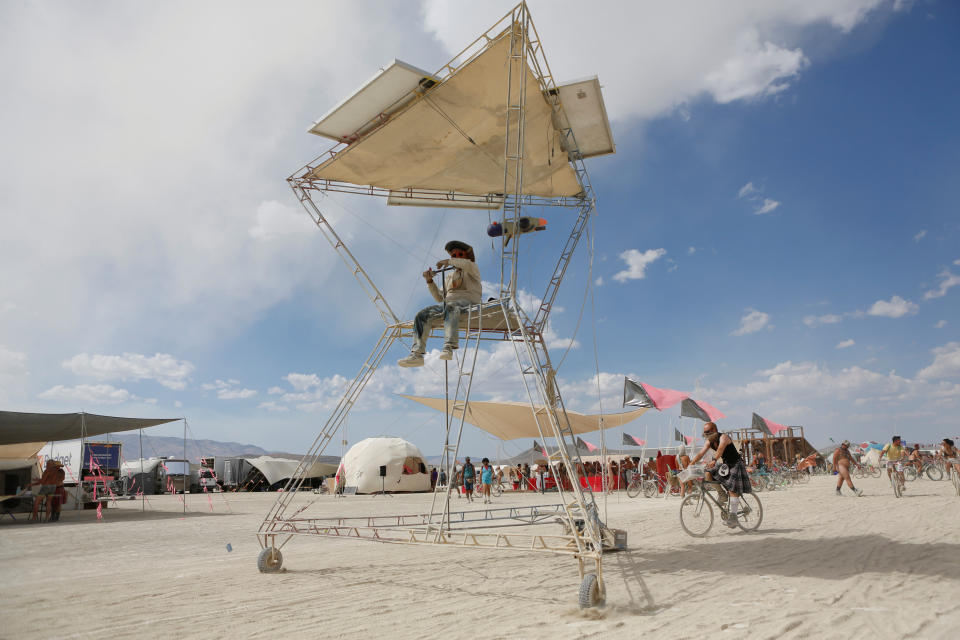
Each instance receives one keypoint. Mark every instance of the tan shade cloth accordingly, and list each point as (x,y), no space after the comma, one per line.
(18,456)
(453,138)
(512,420)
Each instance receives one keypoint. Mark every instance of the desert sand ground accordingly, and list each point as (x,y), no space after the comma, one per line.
(820,567)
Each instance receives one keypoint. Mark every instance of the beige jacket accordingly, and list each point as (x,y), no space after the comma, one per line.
(463,284)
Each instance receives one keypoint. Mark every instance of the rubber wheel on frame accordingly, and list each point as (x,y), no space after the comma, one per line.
(935,473)
(270,560)
(751,512)
(633,489)
(910,473)
(696,524)
(649,489)
(591,593)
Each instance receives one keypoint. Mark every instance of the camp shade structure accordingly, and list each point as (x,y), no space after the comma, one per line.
(16,428)
(512,420)
(691,408)
(768,427)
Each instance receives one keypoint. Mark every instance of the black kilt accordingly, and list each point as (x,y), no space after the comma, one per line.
(737,481)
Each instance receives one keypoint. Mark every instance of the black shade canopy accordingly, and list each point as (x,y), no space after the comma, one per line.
(18,427)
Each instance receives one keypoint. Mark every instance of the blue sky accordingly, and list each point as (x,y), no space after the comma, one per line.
(778,231)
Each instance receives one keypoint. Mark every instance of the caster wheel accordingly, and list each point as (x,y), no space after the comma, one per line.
(270,560)
(592,594)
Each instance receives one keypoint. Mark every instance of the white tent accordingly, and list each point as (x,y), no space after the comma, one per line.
(277,469)
(405,466)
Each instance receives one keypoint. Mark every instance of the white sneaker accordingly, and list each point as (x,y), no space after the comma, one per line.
(859,492)
(447,353)
(412,360)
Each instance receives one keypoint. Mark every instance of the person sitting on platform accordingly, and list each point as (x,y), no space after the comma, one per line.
(462,290)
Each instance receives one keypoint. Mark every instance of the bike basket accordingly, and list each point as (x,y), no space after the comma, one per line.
(693,472)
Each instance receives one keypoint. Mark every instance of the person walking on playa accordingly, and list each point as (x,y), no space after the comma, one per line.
(462,285)
(951,457)
(727,459)
(841,462)
(486,479)
(469,476)
(895,452)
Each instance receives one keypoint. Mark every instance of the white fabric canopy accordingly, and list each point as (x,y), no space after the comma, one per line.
(512,420)
(277,469)
(453,138)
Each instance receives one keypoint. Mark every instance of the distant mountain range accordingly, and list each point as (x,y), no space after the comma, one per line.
(165,446)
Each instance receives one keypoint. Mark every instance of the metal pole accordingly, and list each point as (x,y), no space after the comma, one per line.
(186,478)
(143,493)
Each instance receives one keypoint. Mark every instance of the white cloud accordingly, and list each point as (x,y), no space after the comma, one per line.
(753,321)
(272,406)
(816,321)
(746,190)
(303,381)
(843,344)
(161,367)
(767,206)
(12,363)
(920,235)
(949,280)
(274,219)
(227,389)
(691,251)
(754,70)
(599,281)
(940,324)
(637,263)
(896,307)
(946,362)
(92,394)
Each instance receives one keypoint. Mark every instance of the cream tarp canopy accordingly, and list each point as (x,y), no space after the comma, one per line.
(453,138)
(277,469)
(512,420)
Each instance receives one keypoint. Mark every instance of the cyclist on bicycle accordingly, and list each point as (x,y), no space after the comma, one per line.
(895,452)
(916,459)
(950,453)
(727,468)
(841,462)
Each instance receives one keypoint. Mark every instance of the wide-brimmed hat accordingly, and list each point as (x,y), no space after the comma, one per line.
(456,244)
(845,443)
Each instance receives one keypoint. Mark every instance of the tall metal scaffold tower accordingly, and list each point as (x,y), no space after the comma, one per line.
(505,170)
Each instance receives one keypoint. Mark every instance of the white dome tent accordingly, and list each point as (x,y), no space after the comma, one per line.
(405,466)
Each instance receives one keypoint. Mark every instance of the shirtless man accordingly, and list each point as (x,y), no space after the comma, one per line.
(916,459)
(841,462)
(48,487)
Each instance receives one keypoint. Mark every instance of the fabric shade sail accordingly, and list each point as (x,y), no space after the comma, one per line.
(277,469)
(640,394)
(16,427)
(452,138)
(512,420)
(691,408)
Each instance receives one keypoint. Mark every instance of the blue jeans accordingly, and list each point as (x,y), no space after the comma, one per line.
(451,322)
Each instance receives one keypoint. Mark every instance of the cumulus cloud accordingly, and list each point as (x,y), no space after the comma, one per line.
(940,324)
(896,307)
(87,394)
(920,235)
(947,281)
(161,367)
(843,344)
(229,389)
(691,251)
(816,321)
(637,263)
(746,190)
(753,321)
(766,206)
(12,363)
(946,362)
(756,69)
(274,219)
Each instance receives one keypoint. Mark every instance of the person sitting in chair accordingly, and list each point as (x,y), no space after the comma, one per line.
(462,290)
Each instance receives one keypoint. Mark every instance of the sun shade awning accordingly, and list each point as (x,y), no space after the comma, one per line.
(512,420)
(16,427)
(277,469)
(453,138)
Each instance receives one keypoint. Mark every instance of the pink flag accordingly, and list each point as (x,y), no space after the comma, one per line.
(689,439)
(775,427)
(663,398)
(586,445)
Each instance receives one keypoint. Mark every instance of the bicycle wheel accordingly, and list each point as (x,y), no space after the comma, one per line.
(803,477)
(649,488)
(910,473)
(895,482)
(750,514)
(876,472)
(496,490)
(756,483)
(934,473)
(696,515)
(633,489)
(956,480)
